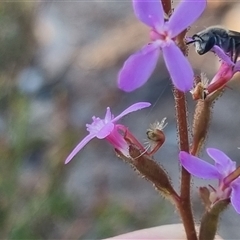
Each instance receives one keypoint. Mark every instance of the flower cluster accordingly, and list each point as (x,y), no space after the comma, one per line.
(138,68)
(167,31)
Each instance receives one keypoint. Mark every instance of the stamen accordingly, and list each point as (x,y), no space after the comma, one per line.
(199,91)
(155,135)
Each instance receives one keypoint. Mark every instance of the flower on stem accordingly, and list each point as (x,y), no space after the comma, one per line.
(223,76)
(108,129)
(139,66)
(224,171)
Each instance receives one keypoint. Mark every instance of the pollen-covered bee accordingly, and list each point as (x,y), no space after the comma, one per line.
(227,40)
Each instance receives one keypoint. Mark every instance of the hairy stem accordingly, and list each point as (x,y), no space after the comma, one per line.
(209,222)
(184,207)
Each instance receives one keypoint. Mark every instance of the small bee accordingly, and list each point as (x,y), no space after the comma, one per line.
(227,40)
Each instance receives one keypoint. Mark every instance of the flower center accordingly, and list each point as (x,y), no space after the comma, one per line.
(96,125)
(163,35)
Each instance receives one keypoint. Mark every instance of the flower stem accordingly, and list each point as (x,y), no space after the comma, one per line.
(209,222)
(185,206)
(167,6)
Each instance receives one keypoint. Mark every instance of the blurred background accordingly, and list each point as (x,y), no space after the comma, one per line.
(58,67)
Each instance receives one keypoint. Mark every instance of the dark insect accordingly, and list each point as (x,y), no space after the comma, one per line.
(227,40)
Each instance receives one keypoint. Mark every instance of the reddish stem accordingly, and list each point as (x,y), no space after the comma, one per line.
(185,206)
(167,6)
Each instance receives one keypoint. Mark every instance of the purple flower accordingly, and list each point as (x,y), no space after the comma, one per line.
(224,171)
(108,129)
(139,66)
(225,72)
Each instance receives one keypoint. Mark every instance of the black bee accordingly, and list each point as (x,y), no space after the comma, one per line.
(227,40)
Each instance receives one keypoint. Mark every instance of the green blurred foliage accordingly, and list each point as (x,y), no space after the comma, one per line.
(35,211)
(37,207)
(16,37)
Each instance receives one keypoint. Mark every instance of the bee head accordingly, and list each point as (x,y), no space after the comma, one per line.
(203,42)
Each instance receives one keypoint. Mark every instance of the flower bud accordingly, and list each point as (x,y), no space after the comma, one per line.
(150,170)
(200,124)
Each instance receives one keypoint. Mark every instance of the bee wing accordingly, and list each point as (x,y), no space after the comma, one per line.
(234,34)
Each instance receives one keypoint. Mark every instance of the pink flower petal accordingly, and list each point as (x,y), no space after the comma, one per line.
(132,108)
(198,167)
(138,68)
(222,162)
(186,13)
(149,12)
(179,67)
(105,130)
(235,196)
(116,139)
(79,147)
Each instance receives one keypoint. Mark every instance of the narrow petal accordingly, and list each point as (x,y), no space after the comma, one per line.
(222,55)
(235,196)
(132,108)
(198,167)
(186,13)
(223,163)
(138,68)
(108,116)
(218,156)
(149,12)
(179,67)
(79,147)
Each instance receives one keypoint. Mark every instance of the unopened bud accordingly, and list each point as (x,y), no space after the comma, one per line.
(200,124)
(150,170)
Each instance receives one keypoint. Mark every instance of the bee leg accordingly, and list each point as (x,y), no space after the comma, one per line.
(237,53)
(233,51)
